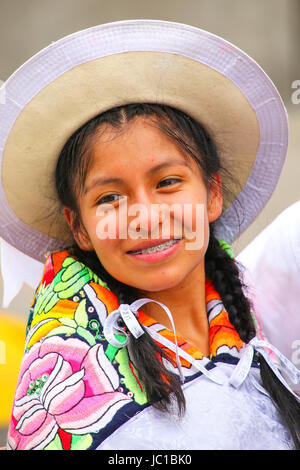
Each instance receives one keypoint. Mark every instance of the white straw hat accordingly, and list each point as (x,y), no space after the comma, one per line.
(91,71)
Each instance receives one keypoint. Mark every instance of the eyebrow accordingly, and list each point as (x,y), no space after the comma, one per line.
(101,181)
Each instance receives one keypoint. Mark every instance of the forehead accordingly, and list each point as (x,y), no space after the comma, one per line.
(138,144)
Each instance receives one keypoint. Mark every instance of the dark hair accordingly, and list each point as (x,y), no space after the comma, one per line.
(162,386)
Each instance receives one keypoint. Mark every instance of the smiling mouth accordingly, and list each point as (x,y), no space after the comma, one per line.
(154,249)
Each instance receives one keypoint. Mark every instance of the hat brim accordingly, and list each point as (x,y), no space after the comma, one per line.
(86,73)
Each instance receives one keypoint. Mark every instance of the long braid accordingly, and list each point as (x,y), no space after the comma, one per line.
(225,275)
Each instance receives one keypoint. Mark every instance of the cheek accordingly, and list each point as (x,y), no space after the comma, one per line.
(195,221)
(106,249)
(104,223)
(108,253)
(102,234)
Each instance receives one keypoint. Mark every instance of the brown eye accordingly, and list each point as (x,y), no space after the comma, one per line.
(106,200)
(168,181)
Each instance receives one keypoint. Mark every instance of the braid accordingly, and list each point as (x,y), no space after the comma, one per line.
(225,275)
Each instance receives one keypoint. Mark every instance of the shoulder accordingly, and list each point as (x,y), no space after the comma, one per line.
(69,293)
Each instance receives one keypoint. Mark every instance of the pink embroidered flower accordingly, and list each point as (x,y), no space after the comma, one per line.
(63,384)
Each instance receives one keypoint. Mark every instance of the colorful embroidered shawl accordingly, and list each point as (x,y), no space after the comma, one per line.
(74,388)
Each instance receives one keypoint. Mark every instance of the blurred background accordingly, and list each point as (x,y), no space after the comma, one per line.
(267,30)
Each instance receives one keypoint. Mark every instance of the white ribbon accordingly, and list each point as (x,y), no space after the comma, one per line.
(215,374)
(128,314)
(243,367)
(111,326)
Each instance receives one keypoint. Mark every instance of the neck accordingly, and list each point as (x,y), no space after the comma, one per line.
(186,301)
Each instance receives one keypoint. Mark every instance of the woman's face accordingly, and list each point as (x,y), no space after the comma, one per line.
(141,188)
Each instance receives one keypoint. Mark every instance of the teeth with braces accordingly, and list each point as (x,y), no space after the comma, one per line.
(153,249)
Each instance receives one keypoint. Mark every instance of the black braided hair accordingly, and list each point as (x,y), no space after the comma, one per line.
(226,277)
(161,386)
(225,274)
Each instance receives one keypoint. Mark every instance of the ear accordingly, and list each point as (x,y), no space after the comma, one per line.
(80,235)
(215,199)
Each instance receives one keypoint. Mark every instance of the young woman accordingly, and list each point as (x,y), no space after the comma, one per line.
(140,335)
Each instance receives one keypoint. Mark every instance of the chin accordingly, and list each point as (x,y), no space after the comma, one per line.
(161,283)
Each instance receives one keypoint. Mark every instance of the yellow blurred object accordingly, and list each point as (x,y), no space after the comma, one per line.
(12,342)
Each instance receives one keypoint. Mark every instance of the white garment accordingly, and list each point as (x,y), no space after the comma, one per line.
(272,261)
(210,422)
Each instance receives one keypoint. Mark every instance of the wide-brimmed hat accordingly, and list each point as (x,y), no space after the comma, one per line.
(77,77)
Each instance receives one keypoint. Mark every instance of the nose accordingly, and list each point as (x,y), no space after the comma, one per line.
(145,216)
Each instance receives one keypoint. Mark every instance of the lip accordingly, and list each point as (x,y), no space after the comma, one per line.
(149,244)
(157,256)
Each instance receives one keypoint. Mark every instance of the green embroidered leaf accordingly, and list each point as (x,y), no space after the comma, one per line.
(55,444)
(68,261)
(61,330)
(66,290)
(51,302)
(72,270)
(111,352)
(68,322)
(44,295)
(38,301)
(81,442)
(46,298)
(86,335)
(56,279)
(81,316)
(97,279)
(63,285)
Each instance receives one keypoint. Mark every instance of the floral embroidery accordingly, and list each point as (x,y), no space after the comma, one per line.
(68,281)
(77,325)
(59,381)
